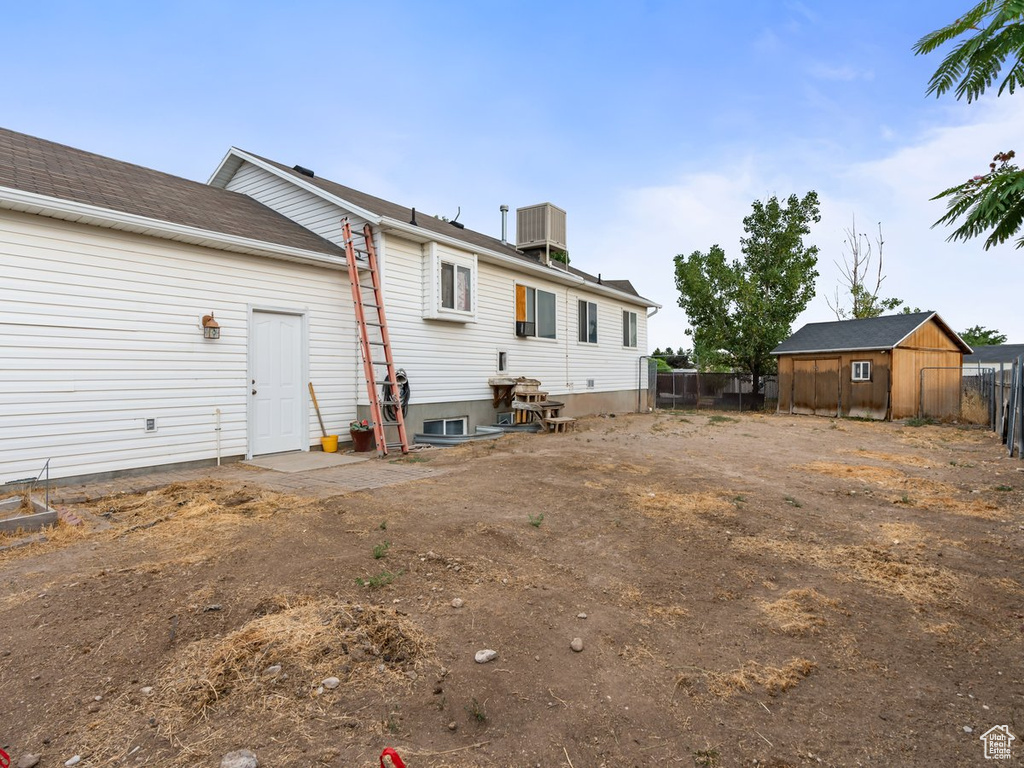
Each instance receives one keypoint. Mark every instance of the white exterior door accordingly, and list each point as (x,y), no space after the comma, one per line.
(277,410)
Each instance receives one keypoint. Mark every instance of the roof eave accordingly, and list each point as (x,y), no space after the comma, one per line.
(68,210)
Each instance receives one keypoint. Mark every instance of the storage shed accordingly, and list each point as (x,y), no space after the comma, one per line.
(890,367)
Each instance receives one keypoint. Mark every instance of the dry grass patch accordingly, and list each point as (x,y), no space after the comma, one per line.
(876,567)
(773,680)
(799,611)
(907,459)
(310,640)
(670,507)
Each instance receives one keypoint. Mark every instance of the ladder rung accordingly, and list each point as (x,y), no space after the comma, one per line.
(376,343)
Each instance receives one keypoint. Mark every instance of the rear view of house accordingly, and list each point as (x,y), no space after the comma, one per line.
(151,320)
(891,367)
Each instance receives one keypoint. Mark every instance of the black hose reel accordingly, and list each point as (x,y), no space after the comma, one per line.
(387,399)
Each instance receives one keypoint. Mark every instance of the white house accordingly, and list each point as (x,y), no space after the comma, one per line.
(107,269)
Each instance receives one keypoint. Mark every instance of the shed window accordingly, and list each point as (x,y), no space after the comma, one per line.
(861,370)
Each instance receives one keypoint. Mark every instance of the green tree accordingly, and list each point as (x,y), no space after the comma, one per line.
(855,279)
(740,310)
(994,201)
(980,336)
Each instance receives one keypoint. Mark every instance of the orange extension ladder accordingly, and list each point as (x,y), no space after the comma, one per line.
(380,341)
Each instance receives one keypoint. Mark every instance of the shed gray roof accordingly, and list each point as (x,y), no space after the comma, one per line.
(56,171)
(994,353)
(382,207)
(883,332)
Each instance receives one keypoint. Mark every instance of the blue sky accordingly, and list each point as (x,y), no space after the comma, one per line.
(654,124)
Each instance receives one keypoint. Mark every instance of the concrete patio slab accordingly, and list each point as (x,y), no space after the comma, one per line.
(306,461)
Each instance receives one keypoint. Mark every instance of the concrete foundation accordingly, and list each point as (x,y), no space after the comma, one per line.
(481,413)
(14,517)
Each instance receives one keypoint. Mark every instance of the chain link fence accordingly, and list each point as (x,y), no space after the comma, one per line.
(690,390)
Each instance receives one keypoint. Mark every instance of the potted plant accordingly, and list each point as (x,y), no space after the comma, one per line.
(362,436)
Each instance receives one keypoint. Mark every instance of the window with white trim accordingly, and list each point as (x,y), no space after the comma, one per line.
(861,370)
(445,426)
(456,287)
(628,328)
(587,319)
(449,286)
(535,312)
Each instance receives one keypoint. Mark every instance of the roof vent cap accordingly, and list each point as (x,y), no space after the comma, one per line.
(303,171)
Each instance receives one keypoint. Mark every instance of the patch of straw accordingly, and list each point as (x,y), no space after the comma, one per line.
(311,640)
(876,567)
(799,611)
(669,507)
(773,680)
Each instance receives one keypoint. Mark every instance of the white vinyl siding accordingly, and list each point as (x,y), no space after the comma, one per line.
(449,362)
(100,330)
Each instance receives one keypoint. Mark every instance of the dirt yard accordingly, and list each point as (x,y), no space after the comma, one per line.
(755,590)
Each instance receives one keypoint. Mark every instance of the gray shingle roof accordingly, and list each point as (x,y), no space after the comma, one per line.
(381,207)
(870,333)
(994,353)
(41,167)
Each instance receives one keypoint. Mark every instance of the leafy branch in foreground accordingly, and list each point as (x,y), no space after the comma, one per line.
(993,201)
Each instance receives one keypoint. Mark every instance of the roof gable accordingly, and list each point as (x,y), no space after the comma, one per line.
(884,332)
(58,172)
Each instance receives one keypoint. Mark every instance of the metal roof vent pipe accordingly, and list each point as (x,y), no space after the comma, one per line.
(413,220)
(504,223)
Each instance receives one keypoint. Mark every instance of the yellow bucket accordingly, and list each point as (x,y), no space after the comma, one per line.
(329,443)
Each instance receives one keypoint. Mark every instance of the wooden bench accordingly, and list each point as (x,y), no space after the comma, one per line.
(560,423)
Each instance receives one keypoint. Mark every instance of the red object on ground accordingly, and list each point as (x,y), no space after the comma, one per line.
(5,760)
(395,759)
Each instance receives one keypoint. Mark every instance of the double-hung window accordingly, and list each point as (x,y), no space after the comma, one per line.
(628,328)
(587,322)
(535,312)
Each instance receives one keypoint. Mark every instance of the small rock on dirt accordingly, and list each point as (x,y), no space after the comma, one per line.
(458,602)
(242,758)
(482,657)
(453,726)
(577,644)
(146,690)
(72,761)
(28,760)
(581,615)
(968,729)
(331,683)
(272,671)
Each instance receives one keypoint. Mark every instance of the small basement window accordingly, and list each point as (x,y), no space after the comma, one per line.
(445,426)
(861,370)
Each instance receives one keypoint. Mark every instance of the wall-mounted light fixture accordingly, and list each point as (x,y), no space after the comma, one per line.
(211,328)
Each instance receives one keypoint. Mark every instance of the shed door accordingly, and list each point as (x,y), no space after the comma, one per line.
(816,386)
(278,398)
(826,387)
